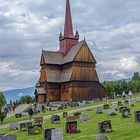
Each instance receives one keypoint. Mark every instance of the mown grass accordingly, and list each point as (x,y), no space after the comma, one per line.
(123,128)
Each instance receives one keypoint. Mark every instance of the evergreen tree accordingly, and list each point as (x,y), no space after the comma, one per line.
(136,76)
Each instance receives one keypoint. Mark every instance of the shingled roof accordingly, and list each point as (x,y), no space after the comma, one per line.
(57,76)
(58,57)
(40,90)
(52,57)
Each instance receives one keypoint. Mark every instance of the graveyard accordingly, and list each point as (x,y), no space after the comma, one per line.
(88,123)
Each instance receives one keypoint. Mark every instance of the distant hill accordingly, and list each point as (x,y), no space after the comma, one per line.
(15,94)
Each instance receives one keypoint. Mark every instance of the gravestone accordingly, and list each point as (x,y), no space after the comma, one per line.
(101,137)
(121,108)
(83,102)
(137,116)
(4,136)
(99,110)
(77,114)
(123,97)
(38,120)
(131,103)
(126,102)
(115,107)
(71,125)
(35,129)
(47,133)
(18,115)
(14,126)
(24,126)
(126,113)
(55,119)
(137,98)
(65,114)
(105,126)
(84,118)
(57,134)
(111,112)
(106,106)
(120,103)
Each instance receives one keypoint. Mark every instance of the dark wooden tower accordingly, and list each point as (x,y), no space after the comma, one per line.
(69,73)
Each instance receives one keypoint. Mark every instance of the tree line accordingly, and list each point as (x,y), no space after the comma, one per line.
(118,87)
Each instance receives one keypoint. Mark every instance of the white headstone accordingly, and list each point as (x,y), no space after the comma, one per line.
(111,112)
(99,110)
(84,118)
(114,106)
(57,134)
(14,126)
(137,98)
(131,103)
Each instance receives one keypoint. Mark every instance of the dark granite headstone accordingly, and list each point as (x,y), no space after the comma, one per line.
(55,119)
(123,97)
(120,103)
(71,125)
(126,113)
(24,126)
(35,129)
(18,115)
(137,116)
(126,102)
(65,114)
(106,106)
(105,126)
(47,133)
(77,114)
(121,108)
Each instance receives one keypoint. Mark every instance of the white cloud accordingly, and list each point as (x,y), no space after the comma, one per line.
(129,63)
(28,26)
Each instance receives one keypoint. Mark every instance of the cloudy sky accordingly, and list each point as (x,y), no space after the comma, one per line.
(111,28)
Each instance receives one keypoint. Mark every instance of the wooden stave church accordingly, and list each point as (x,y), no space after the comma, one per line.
(70,73)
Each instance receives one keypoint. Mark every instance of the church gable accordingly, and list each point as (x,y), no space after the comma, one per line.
(43,76)
(83,73)
(84,54)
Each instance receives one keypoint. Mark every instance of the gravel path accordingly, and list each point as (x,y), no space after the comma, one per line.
(49,116)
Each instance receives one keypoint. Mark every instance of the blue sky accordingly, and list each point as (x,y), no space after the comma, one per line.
(111,29)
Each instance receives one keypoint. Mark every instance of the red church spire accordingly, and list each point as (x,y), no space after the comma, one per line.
(68,39)
(68,29)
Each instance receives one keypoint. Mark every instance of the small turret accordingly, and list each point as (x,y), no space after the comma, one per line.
(68,39)
(60,36)
(77,34)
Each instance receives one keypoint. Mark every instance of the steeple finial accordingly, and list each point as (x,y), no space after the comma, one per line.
(68,39)
(68,29)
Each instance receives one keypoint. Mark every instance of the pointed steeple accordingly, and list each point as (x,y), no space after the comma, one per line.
(68,39)
(68,29)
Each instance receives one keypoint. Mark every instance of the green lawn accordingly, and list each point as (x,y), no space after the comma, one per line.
(124,128)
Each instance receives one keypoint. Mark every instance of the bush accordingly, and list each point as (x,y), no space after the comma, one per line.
(26,99)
